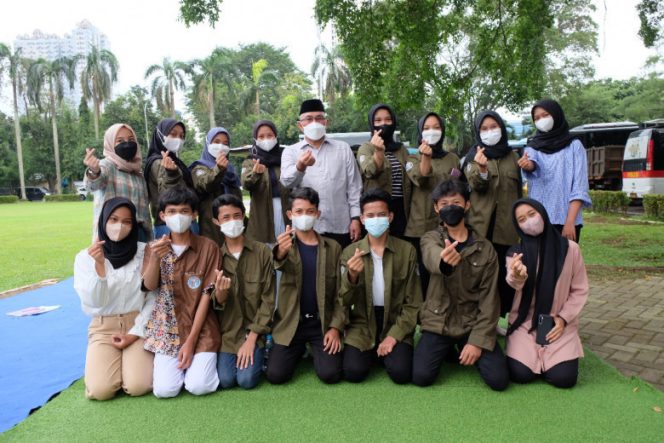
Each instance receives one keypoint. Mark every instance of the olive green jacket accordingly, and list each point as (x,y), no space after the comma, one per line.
(497,193)
(287,315)
(422,217)
(208,183)
(261,217)
(250,301)
(465,301)
(403,295)
(373,177)
(160,180)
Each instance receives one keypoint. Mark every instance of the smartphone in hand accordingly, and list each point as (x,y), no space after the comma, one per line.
(544,325)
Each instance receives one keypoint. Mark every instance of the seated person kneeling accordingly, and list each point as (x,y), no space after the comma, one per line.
(182,330)
(245,300)
(462,304)
(308,309)
(381,288)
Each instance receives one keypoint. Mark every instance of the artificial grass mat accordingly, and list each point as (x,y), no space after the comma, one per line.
(459,407)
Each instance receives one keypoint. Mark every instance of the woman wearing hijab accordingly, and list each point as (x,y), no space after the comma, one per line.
(260,176)
(384,164)
(107,278)
(118,174)
(433,165)
(493,174)
(549,276)
(164,169)
(213,175)
(556,168)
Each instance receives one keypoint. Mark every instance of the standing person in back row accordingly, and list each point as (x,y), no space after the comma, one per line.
(329,167)
(556,167)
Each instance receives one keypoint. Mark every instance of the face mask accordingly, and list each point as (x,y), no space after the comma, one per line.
(533,226)
(376,226)
(387,132)
(178,223)
(491,137)
(544,124)
(432,136)
(126,150)
(117,231)
(267,144)
(217,149)
(303,222)
(233,228)
(314,131)
(452,215)
(173,144)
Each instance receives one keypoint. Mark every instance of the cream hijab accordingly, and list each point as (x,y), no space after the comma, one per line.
(133,166)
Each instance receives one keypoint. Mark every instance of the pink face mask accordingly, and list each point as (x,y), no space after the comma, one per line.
(533,226)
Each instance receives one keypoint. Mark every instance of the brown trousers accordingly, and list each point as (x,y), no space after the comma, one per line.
(107,369)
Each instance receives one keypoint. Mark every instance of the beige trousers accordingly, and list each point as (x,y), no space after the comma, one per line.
(107,369)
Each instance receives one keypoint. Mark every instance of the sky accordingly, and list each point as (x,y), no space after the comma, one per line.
(142,32)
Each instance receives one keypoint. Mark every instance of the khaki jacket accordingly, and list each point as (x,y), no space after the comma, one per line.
(261,218)
(287,315)
(495,194)
(160,180)
(250,301)
(465,301)
(403,295)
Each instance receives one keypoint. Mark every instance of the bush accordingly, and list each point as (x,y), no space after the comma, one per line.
(609,201)
(653,206)
(89,197)
(8,199)
(62,198)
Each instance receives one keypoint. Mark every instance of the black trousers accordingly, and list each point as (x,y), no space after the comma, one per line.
(577,228)
(433,348)
(284,359)
(562,375)
(505,291)
(398,363)
(342,239)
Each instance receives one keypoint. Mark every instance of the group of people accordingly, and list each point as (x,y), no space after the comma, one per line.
(345,253)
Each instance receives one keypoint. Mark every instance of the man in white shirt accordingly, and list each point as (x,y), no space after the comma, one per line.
(329,167)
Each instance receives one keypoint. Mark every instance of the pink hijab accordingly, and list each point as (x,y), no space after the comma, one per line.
(133,166)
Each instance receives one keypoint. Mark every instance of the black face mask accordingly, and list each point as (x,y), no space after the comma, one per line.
(387,132)
(126,150)
(452,215)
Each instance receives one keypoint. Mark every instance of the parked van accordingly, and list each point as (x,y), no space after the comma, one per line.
(643,162)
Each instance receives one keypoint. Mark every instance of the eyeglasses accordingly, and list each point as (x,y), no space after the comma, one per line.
(308,119)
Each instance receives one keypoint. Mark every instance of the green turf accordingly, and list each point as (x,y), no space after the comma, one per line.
(39,240)
(604,406)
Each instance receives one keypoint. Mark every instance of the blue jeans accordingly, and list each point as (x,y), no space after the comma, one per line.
(161,230)
(230,376)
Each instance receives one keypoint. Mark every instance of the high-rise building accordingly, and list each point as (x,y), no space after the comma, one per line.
(50,46)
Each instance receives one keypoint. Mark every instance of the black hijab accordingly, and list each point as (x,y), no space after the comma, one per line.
(437,149)
(550,249)
(157,147)
(118,253)
(500,149)
(387,133)
(558,137)
(269,159)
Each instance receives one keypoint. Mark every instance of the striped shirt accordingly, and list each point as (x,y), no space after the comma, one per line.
(397,174)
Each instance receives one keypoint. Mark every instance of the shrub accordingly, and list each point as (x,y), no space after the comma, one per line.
(8,199)
(653,206)
(609,201)
(62,198)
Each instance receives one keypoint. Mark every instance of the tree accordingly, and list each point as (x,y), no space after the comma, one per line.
(17,73)
(193,12)
(97,78)
(207,73)
(261,79)
(51,75)
(164,86)
(331,73)
(651,15)
(135,109)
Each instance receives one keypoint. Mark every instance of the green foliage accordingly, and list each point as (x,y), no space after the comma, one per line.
(193,12)
(653,206)
(609,201)
(651,15)
(8,199)
(62,198)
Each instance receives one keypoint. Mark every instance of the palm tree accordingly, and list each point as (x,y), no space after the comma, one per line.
(50,75)
(17,73)
(207,73)
(164,85)
(261,77)
(331,73)
(97,78)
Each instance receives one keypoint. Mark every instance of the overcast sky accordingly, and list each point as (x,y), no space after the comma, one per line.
(142,32)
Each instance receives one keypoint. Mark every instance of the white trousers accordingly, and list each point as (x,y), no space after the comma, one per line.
(199,379)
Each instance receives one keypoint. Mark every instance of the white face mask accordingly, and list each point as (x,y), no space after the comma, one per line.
(266,144)
(432,136)
(314,131)
(173,144)
(303,222)
(178,223)
(544,124)
(491,137)
(117,231)
(217,149)
(232,229)
(533,226)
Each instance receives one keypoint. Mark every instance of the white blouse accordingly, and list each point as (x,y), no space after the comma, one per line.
(117,293)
